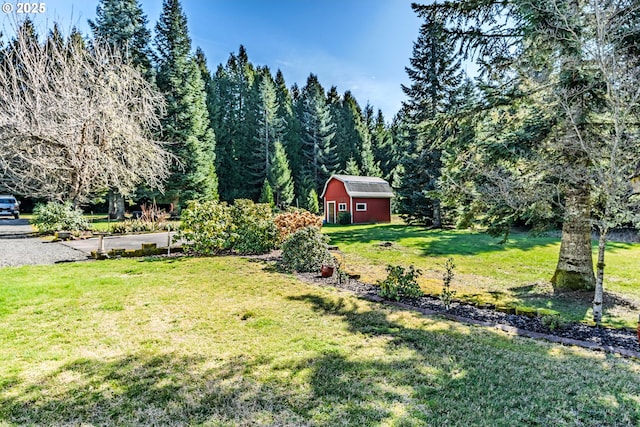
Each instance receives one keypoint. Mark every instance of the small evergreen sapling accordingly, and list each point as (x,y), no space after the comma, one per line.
(266,195)
(447,294)
(312,202)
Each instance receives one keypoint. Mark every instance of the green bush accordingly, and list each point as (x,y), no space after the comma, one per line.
(400,283)
(344,218)
(255,229)
(56,216)
(306,251)
(552,321)
(207,227)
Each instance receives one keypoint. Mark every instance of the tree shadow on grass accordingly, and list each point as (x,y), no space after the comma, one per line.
(147,390)
(373,233)
(435,374)
(576,303)
(439,242)
(445,371)
(457,243)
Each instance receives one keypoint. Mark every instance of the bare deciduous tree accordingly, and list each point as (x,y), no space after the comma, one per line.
(76,120)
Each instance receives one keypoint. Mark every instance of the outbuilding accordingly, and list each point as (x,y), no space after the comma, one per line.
(366,198)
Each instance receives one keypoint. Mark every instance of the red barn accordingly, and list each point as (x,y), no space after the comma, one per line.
(366,198)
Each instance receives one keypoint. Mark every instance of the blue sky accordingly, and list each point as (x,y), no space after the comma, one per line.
(357,45)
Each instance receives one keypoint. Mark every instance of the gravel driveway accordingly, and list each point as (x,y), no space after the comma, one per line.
(18,246)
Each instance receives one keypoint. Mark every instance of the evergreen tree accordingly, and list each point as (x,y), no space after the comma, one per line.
(291,137)
(318,132)
(266,194)
(352,167)
(382,146)
(236,113)
(123,25)
(280,176)
(270,126)
(570,60)
(186,123)
(205,75)
(354,130)
(312,202)
(434,73)
(343,140)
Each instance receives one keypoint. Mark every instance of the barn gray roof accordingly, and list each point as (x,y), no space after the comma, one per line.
(363,186)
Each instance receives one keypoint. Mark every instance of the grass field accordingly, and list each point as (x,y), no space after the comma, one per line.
(516,273)
(227,342)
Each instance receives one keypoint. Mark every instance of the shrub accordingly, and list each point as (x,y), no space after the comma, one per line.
(207,227)
(255,229)
(344,218)
(137,226)
(291,221)
(400,283)
(447,294)
(553,321)
(55,216)
(306,251)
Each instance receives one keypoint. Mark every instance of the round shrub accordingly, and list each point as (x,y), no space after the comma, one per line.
(56,216)
(256,233)
(306,251)
(344,218)
(207,227)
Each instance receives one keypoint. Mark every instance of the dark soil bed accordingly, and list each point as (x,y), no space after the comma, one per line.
(624,341)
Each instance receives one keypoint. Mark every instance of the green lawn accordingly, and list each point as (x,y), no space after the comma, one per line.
(227,342)
(516,273)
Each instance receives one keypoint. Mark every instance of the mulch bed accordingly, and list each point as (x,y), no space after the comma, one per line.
(619,341)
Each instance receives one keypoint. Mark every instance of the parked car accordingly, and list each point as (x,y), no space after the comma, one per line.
(9,206)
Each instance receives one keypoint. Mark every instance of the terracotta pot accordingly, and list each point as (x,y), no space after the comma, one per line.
(326,271)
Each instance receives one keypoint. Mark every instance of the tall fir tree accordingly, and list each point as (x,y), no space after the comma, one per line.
(318,132)
(291,137)
(270,126)
(343,140)
(368,163)
(186,123)
(235,121)
(122,24)
(434,72)
(382,146)
(280,176)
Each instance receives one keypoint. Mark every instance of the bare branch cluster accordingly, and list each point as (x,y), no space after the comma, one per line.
(76,120)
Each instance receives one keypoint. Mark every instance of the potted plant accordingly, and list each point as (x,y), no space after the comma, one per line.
(326,270)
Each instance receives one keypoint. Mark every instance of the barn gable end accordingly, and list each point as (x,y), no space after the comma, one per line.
(367,199)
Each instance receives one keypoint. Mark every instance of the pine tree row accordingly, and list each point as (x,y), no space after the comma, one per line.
(240,132)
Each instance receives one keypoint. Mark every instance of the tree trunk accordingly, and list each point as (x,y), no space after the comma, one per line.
(598,294)
(111,204)
(116,205)
(119,207)
(575,262)
(437,214)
